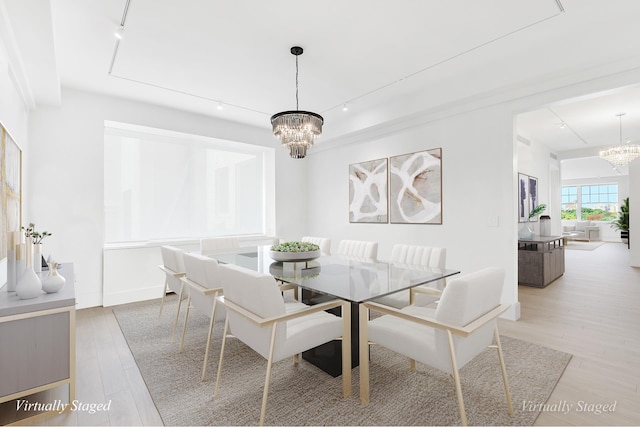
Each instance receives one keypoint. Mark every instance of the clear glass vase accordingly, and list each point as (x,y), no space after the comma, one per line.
(526,232)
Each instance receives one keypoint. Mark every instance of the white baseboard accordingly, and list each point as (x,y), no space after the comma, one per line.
(513,313)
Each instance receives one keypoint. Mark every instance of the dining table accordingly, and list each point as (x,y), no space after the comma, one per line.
(329,277)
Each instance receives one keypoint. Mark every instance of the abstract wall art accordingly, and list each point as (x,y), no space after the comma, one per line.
(527,196)
(415,188)
(10,188)
(523,197)
(368,192)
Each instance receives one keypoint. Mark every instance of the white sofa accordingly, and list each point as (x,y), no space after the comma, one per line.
(581,230)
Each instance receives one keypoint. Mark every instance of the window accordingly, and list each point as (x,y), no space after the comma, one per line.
(569,201)
(595,202)
(161,185)
(600,202)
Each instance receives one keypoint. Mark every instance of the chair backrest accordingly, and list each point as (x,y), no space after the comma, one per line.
(259,294)
(358,249)
(202,270)
(324,243)
(464,300)
(419,255)
(172,259)
(213,245)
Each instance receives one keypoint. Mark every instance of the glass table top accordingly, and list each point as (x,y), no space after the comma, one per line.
(347,279)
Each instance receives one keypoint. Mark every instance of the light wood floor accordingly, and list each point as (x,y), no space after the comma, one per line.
(592,312)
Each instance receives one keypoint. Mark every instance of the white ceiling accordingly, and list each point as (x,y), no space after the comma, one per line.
(196,54)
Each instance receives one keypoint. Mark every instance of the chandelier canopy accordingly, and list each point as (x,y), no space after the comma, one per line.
(623,154)
(297,130)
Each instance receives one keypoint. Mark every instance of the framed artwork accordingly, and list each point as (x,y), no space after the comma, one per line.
(368,192)
(523,197)
(415,188)
(527,196)
(10,188)
(533,195)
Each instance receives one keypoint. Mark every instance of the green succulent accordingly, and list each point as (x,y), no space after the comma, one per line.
(295,247)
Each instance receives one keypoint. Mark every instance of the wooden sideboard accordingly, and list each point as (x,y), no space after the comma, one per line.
(37,349)
(540,260)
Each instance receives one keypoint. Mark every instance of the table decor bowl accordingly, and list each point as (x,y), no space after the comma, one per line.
(294,252)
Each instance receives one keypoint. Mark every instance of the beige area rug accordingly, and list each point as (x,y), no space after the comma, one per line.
(582,246)
(304,395)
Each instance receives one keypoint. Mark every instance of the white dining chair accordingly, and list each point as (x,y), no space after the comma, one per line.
(419,257)
(216,245)
(173,268)
(258,316)
(462,326)
(203,281)
(322,242)
(358,249)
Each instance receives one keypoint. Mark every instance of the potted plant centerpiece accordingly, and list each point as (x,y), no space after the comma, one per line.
(295,251)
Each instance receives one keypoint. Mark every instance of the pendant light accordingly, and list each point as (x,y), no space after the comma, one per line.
(621,155)
(297,130)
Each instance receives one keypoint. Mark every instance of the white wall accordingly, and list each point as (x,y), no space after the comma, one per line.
(634,213)
(478,184)
(534,159)
(65,169)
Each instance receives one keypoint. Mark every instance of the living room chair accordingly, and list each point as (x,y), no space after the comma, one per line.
(173,268)
(203,281)
(416,257)
(358,249)
(216,245)
(446,338)
(324,243)
(258,316)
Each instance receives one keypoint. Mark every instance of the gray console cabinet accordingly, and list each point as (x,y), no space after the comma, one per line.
(540,260)
(37,344)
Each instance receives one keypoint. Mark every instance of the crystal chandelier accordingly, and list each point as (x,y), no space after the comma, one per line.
(622,154)
(297,130)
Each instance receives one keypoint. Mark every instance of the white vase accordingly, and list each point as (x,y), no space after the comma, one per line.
(54,281)
(21,261)
(12,268)
(28,285)
(526,232)
(37,257)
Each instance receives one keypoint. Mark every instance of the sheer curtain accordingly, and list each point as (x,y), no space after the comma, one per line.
(161,185)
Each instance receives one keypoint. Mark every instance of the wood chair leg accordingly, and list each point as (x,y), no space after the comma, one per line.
(296,359)
(164,293)
(496,335)
(456,378)
(412,365)
(265,392)
(346,350)
(184,327)
(206,352)
(175,322)
(224,340)
(363,317)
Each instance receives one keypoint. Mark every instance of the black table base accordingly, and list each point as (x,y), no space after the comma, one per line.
(328,357)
